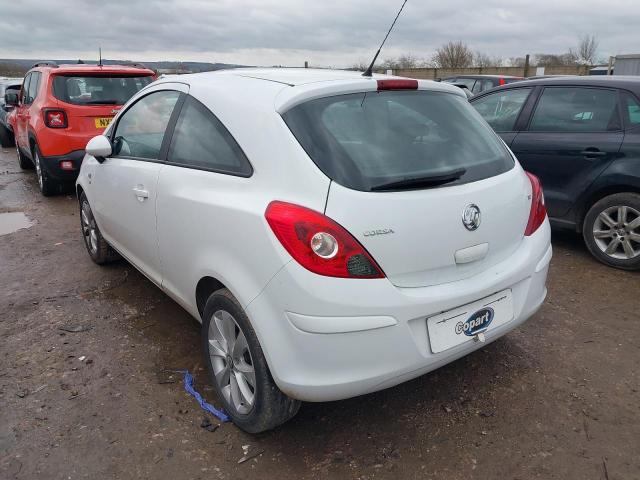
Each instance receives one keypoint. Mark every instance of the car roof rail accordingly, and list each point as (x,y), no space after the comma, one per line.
(45,64)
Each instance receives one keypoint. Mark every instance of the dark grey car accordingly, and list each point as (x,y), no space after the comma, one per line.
(7,85)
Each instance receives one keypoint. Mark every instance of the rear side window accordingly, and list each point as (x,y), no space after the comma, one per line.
(632,109)
(574,109)
(201,141)
(363,140)
(25,88)
(97,90)
(140,130)
(501,109)
(32,90)
(469,82)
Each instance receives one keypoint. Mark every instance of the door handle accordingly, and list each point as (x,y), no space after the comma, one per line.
(592,152)
(140,193)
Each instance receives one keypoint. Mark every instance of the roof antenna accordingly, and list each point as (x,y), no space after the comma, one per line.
(100,56)
(369,70)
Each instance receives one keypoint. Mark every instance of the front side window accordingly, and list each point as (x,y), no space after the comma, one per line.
(366,141)
(633,109)
(201,141)
(501,109)
(141,128)
(576,109)
(97,90)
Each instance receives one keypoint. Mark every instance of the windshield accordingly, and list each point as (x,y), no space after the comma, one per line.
(97,90)
(366,140)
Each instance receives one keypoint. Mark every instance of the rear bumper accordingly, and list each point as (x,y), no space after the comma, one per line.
(330,339)
(51,164)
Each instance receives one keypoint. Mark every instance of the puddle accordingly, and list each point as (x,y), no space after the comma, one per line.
(13,221)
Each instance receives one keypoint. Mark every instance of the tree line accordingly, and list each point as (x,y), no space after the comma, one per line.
(457,54)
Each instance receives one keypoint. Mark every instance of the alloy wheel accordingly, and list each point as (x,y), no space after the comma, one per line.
(38,169)
(232,363)
(616,232)
(89,228)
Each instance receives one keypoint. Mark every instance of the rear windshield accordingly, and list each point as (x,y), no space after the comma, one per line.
(97,90)
(368,139)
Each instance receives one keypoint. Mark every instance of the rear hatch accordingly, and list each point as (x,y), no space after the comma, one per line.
(96,97)
(419,179)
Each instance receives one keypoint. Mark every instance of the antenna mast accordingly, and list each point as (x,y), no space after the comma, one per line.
(369,70)
(100,56)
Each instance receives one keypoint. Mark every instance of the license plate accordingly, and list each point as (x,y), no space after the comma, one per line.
(463,324)
(103,122)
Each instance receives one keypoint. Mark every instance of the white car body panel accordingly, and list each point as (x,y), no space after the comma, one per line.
(324,338)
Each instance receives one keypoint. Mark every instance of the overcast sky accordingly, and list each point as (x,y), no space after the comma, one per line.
(324,32)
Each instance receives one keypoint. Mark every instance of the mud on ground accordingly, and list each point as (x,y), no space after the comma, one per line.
(556,399)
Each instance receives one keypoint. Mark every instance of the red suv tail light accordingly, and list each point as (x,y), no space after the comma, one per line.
(55,118)
(538,210)
(319,244)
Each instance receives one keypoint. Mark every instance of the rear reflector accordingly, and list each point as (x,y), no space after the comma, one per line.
(397,84)
(538,211)
(66,165)
(319,244)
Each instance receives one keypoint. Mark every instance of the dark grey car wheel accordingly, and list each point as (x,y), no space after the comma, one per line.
(238,368)
(611,230)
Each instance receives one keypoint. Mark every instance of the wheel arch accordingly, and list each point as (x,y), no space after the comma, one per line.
(205,287)
(598,194)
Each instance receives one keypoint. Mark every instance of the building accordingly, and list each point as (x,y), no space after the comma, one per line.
(627,65)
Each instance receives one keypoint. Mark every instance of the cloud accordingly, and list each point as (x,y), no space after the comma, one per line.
(326,32)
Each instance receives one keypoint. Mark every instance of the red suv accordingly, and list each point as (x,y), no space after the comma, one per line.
(61,107)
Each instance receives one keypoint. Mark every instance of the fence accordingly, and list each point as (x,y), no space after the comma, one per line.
(434,73)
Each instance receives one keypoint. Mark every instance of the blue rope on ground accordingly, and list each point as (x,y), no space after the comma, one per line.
(188,386)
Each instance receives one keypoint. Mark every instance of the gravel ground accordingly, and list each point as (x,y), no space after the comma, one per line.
(556,399)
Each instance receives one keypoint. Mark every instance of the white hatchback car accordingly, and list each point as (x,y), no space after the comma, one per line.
(335,234)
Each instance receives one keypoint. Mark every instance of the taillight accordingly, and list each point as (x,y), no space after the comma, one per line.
(54,118)
(400,84)
(538,211)
(319,244)
(66,165)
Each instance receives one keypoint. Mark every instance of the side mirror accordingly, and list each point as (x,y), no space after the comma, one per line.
(11,99)
(99,147)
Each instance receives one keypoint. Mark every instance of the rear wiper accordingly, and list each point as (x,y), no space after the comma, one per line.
(418,182)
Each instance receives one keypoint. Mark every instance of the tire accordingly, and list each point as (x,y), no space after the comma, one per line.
(48,186)
(99,250)
(262,406)
(23,160)
(611,230)
(6,137)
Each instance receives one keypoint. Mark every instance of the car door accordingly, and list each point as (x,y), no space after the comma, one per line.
(125,184)
(22,111)
(502,109)
(201,190)
(571,137)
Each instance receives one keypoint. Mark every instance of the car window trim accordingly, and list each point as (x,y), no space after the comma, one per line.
(112,133)
(593,87)
(171,131)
